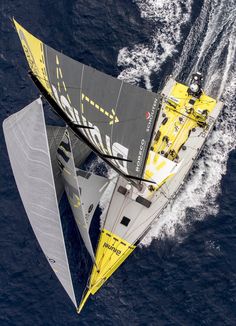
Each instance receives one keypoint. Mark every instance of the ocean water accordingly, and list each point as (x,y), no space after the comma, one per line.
(184,272)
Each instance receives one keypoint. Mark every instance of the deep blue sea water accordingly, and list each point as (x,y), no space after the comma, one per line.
(185,271)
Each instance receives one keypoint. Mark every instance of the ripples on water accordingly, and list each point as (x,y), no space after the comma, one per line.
(211,49)
(184,274)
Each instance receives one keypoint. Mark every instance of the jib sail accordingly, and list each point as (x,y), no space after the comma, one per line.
(28,149)
(115,118)
(83,196)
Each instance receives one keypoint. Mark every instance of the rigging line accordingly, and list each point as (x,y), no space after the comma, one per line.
(164,194)
(113,192)
(113,253)
(116,245)
(150,216)
(128,232)
(81,82)
(100,262)
(180,133)
(168,198)
(151,138)
(117,101)
(128,247)
(169,129)
(162,209)
(97,245)
(153,216)
(115,222)
(47,80)
(184,98)
(170,108)
(167,188)
(118,216)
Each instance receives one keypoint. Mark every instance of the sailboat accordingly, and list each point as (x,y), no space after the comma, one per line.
(150,139)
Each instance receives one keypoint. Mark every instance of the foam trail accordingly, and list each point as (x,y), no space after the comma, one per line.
(192,43)
(211,46)
(200,191)
(168,17)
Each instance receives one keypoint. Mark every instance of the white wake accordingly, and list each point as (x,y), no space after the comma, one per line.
(167,17)
(203,186)
(213,35)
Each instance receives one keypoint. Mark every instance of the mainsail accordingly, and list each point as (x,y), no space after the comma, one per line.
(28,149)
(82,206)
(114,118)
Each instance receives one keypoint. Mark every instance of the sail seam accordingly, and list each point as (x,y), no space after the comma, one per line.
(117,102)
(50,163)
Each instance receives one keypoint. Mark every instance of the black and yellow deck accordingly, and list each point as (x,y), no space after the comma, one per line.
(182,114)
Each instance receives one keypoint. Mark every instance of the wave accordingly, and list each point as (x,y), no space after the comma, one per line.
(167,18)
(216,57)
(210,48)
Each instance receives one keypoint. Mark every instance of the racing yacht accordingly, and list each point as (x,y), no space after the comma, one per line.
(150,139)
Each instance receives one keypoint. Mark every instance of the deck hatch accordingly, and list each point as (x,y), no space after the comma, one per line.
(143,201)
(125,221)
(122,190)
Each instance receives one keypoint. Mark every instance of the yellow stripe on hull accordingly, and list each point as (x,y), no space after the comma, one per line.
(175,132)
(112,251)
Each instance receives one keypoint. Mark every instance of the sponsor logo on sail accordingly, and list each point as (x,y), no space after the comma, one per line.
(140,155)
(150,115)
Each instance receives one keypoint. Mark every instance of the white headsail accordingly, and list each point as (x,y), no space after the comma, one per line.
(83,190)
(28,149)
(92,187)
